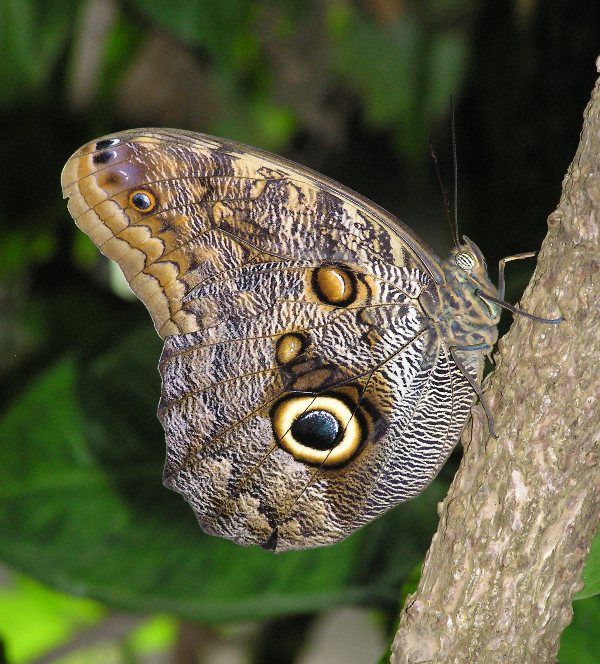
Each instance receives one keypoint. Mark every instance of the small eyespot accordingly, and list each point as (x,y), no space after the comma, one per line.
(142,200)
(107,143)
(104,157)
(465,261)
(289,346)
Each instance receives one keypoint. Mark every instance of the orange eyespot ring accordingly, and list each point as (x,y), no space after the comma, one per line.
(142,200)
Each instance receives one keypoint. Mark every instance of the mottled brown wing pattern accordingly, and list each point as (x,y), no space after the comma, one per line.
(309,371)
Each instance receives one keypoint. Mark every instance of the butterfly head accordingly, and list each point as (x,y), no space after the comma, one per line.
(469,269)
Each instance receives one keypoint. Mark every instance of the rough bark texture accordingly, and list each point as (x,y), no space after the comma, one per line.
(517,524)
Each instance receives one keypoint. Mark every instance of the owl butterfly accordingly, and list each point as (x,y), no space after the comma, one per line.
(319,361)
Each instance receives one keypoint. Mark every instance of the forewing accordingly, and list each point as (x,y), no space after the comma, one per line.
(218,205)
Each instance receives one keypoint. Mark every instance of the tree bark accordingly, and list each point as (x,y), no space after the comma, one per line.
(516,526)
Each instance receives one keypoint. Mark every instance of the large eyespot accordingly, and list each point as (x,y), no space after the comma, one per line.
(142,200)
(465,261)
(322,430)
(334,284)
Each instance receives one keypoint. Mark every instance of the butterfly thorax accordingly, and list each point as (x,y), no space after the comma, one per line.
(466,319)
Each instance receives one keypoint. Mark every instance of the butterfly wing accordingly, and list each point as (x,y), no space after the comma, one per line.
(305,388)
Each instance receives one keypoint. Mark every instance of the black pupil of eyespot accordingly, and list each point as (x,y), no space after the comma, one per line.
(317,429)
(141,201)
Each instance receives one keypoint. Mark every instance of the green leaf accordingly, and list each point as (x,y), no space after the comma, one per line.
(82,508)
(156,634)
(446,62)
(379,64)
(591,571)
(579,641)
(22,247)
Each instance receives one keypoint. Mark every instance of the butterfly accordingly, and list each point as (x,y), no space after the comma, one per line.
(319,360)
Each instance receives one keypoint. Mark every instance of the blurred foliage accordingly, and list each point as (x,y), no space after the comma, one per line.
(39,620)
(354,89)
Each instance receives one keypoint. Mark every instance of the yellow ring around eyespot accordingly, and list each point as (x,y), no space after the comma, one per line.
(144,192)
(291,409)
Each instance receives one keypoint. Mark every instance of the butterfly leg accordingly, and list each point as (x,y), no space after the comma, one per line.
(474,384)
(501,266)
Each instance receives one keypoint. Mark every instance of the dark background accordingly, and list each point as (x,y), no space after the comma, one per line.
(353,89)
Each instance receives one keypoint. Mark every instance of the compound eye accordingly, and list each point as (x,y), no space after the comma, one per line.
(465,261)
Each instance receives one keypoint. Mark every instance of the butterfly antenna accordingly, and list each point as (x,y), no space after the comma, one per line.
(455,167)
(438,176)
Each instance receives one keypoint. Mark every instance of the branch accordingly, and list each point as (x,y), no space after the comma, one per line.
(516,526)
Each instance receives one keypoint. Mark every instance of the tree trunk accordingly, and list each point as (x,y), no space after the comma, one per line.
(516,526)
